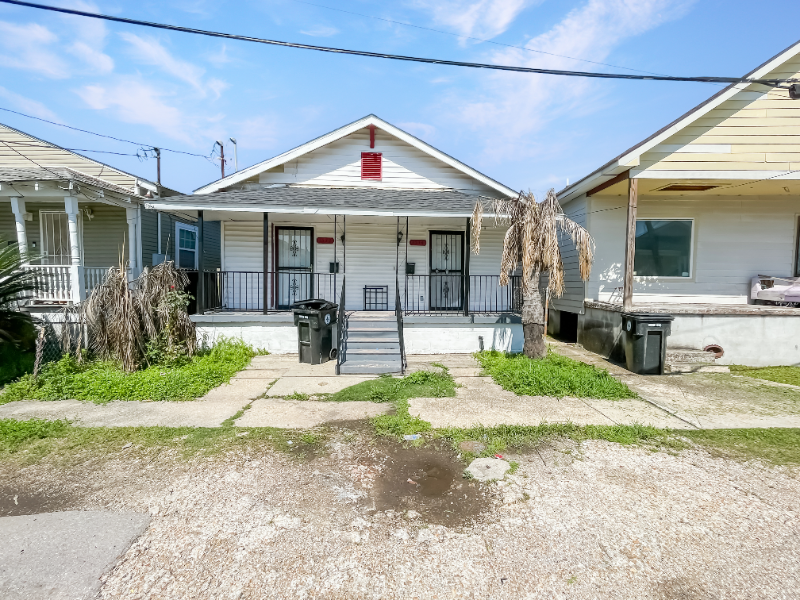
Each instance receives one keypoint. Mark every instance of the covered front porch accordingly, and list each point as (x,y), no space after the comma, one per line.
(71,228)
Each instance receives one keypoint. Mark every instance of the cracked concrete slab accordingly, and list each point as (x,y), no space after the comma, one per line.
(286,386)
(303,414)
(219,404)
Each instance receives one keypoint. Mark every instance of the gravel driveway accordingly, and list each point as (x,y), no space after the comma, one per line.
(371,519)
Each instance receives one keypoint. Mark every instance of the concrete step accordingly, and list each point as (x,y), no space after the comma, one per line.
(358,338)
(371,331)
(684,356)
(695,368)
(374,345)
(373,351)
(364,366)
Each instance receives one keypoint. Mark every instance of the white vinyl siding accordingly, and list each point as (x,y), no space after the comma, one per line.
(574,287)
(735,239)
(404,167)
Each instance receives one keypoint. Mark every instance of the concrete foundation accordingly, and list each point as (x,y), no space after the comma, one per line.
(423,335)
(749,336)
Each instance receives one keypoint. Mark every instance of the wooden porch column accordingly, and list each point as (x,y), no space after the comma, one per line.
(132,215)
(201,280)
(630,244)
(468,243)
(18,208)
(265,250)
(76,277)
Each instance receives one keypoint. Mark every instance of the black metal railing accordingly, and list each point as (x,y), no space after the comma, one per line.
(398,312)
(447,294)
(341,329)
(243,291)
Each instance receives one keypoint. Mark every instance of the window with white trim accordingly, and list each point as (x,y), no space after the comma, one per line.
(186,246)
(663,248)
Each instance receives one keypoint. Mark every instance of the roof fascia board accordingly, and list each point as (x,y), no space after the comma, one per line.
(333,136)
(624,160)
(307,211)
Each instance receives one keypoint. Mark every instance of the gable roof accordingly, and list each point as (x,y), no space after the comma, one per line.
(337,134)
(30,153)
(630,158)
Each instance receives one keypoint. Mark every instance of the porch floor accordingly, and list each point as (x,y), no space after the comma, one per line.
(698,309)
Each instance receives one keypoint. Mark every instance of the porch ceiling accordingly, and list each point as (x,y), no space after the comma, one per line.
(307,200)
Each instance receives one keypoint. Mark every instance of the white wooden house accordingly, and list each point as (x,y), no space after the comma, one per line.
(371,206)
(706,205)
(76,217)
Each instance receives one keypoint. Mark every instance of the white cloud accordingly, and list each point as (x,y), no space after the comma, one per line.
(475,18)
(518,105)
(258,133)
(29,47)
(100,62)
(320,31)
(90,35)
(220,58)
(135,101)
(27,105)
(149,51)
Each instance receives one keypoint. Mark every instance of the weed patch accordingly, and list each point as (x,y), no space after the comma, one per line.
(555,375)
(790,375)
(421,384)
(103,381)
(776,446)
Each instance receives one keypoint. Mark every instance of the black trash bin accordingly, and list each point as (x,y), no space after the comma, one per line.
(314,320)
(646,342)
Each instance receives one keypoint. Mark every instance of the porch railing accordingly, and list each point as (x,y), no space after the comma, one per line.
(243,291)
(448,294)
(52,282)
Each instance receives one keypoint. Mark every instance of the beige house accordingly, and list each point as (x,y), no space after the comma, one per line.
(706,205)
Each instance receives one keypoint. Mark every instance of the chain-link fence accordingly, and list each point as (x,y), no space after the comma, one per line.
(59,333)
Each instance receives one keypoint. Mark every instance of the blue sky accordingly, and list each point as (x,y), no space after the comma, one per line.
(527,131)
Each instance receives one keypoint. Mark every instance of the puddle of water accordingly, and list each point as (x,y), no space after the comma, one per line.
(429,481)
(16,501)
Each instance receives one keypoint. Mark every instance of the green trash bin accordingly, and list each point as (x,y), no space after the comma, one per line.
(314,320)
(646,342)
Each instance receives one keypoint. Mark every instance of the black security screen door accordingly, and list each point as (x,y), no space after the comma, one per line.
(295,264)
(447,248)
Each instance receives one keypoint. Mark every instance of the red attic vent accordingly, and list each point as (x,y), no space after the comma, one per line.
(371,165)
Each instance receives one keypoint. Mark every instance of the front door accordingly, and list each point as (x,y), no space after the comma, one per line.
(447,262)
(295,265)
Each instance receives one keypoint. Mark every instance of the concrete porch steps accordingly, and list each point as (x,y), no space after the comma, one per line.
(372,345)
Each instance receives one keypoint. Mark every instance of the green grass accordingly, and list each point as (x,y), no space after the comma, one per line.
(30,441)
(102,381)
(776,446)
(422,384)
(790,375)
(555,375)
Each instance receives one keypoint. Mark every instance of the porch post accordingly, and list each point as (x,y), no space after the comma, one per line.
(18,207)
(466,267)
(630,243)
(201,280)
(76,278)
(132,214)
(265,250)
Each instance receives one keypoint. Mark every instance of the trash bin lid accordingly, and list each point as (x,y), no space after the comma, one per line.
(649,317)
(314,304)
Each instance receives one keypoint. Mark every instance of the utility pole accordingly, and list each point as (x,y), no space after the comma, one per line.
(235,155)
(221,158)
(158,164)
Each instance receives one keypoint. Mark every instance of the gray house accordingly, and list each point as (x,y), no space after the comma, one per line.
(76,217)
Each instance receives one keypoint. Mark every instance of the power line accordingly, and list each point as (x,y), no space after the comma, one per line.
(110,137)
(469,37)
(416,59)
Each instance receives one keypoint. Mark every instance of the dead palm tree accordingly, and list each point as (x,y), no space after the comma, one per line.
(532,239)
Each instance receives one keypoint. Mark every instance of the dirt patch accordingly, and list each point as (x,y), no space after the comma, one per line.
(428,480)
(18,500)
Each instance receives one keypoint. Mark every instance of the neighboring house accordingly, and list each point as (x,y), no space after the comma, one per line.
(77,217)
(377,208)
(706,205)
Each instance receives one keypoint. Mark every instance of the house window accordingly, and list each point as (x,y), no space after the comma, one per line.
(56,248)
(371,167)
(663,248)
(187,246)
